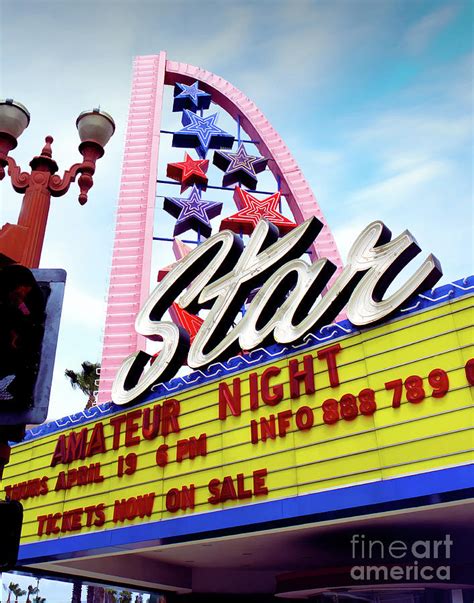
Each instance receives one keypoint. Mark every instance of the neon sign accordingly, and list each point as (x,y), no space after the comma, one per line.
(220,274)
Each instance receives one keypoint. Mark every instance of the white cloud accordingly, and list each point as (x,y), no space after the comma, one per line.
(419,35)
(414,135)
(235,31)
(299,47)
(395,190)
(410,165)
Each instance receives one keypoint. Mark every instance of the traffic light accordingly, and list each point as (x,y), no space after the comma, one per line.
(22,317)
(30,310)
(11,518)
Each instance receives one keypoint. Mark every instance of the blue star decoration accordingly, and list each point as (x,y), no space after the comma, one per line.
(240,167)
(202,134)
(190,97)
(192,213)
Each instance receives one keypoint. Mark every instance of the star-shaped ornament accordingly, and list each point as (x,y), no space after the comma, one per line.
(239,167)
(188,172)
(180,251)
(190,97)
(252,210)
(4,383)
(192,213)
(202,133)
(190,322)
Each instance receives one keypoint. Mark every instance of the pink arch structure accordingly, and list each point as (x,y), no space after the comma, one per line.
(131,258)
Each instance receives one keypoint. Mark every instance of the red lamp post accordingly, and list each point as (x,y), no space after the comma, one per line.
(23,242)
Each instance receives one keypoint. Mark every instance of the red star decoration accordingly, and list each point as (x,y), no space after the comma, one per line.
(190,322)
(252,210)
(188,172)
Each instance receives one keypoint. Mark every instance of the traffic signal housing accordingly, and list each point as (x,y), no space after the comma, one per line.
(30,311)
(11,518)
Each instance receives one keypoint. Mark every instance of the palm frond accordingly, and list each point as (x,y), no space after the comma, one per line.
(85,379)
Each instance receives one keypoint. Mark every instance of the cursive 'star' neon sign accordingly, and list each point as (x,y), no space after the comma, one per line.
(220,274)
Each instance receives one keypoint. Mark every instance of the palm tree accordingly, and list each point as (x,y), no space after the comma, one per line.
(12,588)
(85,380)
(18,592)
(76,592)
(32,590)
(125,597)
(15,590)
(39,599)
(110,595)
(96,594)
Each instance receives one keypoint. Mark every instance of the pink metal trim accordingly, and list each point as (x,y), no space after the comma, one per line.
(135,215)
(131,260)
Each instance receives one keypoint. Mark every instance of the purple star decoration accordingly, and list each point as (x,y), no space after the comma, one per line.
(190,97)
(239,167)
(192,213)
(202,134)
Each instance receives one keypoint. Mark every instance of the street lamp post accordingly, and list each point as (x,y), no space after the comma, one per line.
(23,242)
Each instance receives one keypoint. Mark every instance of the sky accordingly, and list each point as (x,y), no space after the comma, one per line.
(373,98)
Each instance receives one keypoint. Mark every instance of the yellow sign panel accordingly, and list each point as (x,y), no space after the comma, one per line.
(391,401)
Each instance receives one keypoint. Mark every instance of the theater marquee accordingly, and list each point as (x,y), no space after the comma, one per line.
(343,408)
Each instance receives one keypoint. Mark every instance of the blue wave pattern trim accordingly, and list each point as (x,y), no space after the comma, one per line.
(259,356)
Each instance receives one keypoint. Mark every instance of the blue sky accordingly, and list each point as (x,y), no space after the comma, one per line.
(373,99)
